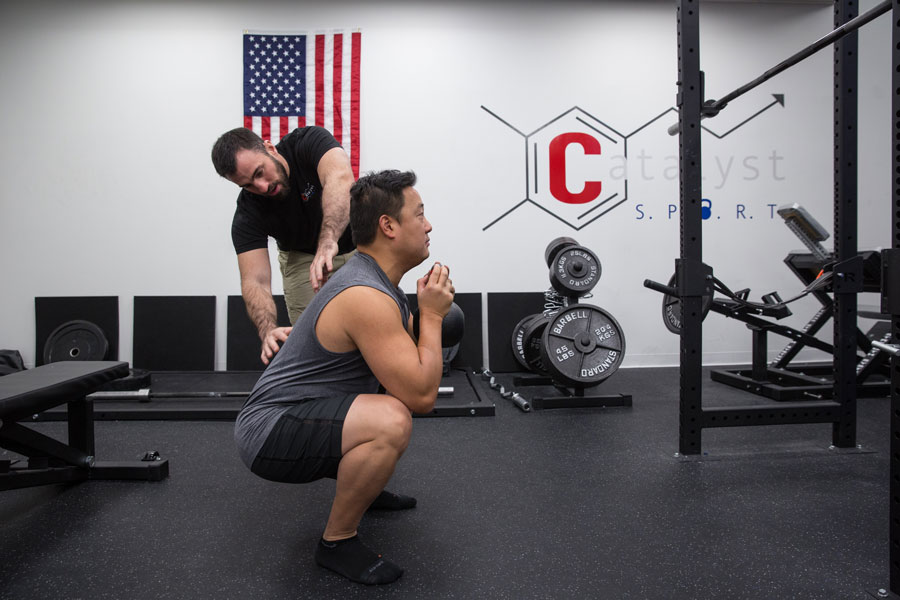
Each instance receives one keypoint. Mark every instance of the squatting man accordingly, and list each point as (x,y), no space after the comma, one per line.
(317,411)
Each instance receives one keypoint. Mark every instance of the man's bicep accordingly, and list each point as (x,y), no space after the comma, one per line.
(386,345)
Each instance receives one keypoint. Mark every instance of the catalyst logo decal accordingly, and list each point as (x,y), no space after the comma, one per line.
(576,166)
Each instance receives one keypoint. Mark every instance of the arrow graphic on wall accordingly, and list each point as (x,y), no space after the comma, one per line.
(779,99)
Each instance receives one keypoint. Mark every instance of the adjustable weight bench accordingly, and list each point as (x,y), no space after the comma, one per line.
(26,393)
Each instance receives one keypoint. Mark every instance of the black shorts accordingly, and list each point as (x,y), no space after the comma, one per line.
(305,443)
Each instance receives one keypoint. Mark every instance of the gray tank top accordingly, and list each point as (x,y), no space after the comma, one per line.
(304,369)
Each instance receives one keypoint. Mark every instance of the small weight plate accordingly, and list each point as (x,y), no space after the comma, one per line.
(518,340)
(575,271)
(532,344)
(672,309)
(555,246)
(582,345)
(76,340)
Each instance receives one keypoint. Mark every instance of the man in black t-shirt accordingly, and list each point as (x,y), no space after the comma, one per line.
(298,193)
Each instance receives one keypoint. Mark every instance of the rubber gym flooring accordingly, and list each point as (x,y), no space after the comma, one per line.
(563,503)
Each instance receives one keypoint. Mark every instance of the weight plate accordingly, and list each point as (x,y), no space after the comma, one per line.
(582,345)
(672,310)
(76,340)
(555,246)
(534,358)
(518,340)
(575,271)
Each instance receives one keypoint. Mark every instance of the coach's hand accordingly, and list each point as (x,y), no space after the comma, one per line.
(322,264)
(272,342)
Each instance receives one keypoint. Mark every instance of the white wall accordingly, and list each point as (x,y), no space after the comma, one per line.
(110,110)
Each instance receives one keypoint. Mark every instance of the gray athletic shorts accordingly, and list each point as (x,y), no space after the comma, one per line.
(305,443)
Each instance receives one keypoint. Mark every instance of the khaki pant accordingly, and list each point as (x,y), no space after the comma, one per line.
(298,291)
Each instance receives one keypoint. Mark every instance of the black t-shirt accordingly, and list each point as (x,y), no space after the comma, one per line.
(294,221)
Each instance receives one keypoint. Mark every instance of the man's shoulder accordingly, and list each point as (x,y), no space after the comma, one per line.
(365,303)
(311,135)
(307,144)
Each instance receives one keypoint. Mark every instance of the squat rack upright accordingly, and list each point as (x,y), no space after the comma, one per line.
(694,278)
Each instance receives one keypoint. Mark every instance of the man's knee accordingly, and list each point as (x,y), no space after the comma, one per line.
(396,423)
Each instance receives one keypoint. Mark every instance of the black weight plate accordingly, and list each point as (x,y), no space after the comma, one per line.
(575,271)
(76,340)
(518,340)
(532,344)
(555,246)
(583,345)
(671,309)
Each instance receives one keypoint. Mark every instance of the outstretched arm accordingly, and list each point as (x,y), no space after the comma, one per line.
(336,176)
(256,288)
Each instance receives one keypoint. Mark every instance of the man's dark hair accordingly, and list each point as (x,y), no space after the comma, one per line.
(373,195)
(229,144)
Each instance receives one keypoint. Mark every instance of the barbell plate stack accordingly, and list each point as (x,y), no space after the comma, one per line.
(575,271)
(518,340)
(582,345)
(555,247)
(532,344)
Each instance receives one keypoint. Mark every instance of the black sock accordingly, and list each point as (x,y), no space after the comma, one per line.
(356,562)
(388,501)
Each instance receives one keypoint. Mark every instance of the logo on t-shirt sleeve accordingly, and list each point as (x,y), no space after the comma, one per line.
(308,192)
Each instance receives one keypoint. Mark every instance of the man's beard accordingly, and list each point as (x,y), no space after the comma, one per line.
(283,182)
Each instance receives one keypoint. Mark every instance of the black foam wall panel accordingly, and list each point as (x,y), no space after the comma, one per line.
(51,312)
(505,310)
(243,345)
(175,333)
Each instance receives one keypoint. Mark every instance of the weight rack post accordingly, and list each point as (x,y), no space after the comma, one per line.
(893,307)
(847,281)
(689,101)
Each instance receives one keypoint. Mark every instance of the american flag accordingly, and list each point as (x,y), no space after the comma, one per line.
(294,80)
